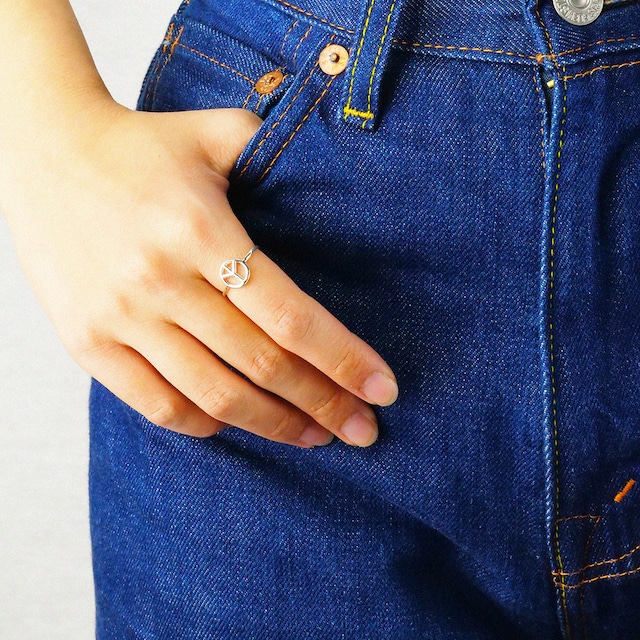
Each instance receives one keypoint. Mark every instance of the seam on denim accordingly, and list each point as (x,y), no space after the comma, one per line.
(222,64)
(277,122)
(312,15)
(306,117)
(594,44)
(542,122)
(597,578)
(463,48)
(166,62)
(375,62)
(304,37)
(601,68)
(578,517)
(246,100)
(286,35)
(161,57)
(554,400)
(602,563)
(347,108)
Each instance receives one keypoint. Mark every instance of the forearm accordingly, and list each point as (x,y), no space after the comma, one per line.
(51,86)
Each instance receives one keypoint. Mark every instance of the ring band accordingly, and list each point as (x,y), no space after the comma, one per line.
(235,273)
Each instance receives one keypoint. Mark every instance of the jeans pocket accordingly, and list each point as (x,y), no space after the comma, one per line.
(200,66)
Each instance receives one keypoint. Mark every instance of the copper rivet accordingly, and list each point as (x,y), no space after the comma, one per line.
(333,59)
(269,81)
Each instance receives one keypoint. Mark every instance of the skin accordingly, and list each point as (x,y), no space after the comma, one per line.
(121,234)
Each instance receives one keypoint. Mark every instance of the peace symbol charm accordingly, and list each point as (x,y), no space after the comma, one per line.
(235,273)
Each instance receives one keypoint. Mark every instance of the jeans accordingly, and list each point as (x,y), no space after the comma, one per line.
(465,196)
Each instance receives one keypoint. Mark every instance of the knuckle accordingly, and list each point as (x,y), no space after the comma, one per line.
(292,323)
(165,412)
(350,363)
(327,407)
(282,429)
(219,402)
(268,363)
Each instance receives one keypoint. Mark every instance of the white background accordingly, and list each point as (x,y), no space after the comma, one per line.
(46,589)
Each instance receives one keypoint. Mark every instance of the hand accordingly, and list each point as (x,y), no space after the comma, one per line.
(121,230)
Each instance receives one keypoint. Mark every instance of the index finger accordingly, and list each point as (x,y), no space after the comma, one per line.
(300,324)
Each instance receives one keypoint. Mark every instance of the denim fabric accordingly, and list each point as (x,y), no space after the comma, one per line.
(477,221)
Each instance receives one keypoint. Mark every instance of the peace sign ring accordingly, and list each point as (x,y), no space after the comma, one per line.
(235,273)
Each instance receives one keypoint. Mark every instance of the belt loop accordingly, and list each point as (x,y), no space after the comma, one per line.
(368,59)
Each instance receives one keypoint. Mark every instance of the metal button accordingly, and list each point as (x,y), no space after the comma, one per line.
(269,81)
(333,59)
(579,12)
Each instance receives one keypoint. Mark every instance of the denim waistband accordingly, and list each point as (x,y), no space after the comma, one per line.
(512,31)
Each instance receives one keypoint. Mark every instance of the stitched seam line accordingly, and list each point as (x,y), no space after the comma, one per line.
(542,121)
(306,117)
(166,62)
(295,53)
(601,68)
(375,62)
(462,48)
(277,122)
(312,15)
(286,35)
(222,64)
(598,564)
(355,62)
(607,577)
(593,44)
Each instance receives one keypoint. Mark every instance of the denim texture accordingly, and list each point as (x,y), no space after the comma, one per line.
(477,221)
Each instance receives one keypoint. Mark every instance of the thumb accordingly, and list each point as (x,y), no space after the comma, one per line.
(225,134)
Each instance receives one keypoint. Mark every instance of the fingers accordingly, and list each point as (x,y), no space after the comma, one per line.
(131,378)
(216,323)
(298,323)
(227,398)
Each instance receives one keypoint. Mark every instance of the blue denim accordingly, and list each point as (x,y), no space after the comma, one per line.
(465,196)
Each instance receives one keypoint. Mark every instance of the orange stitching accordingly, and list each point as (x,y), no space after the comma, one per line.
(455,48)
(277,122)
(598,564)
(286,35)
(595,44)
(577,517)
(166,62)
(246,100)
(627,487)
(259,103)
(222,64)
(308,13)
(607,577)
(295,53)
(296,129)
(600,68)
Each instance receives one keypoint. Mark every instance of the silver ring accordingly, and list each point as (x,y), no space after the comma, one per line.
(235,273)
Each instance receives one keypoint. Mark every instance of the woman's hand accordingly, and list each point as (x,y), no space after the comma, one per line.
(121,228)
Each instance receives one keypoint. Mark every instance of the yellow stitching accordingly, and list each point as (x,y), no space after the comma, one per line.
(308,13)
(607,577)
(295,53)
(306,117)
(277,122)
(355,62)
(542,121)
(286,35)
(600,68)
(455,48)
(246,100)
(360,114)
(375,62)
(595,44)
(222,64)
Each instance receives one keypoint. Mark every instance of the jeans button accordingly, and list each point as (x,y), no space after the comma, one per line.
(579,12)
(333,59)
(269,81)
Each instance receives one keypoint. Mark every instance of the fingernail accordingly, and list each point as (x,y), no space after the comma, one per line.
(360,430)
(315,436)
(380,389)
